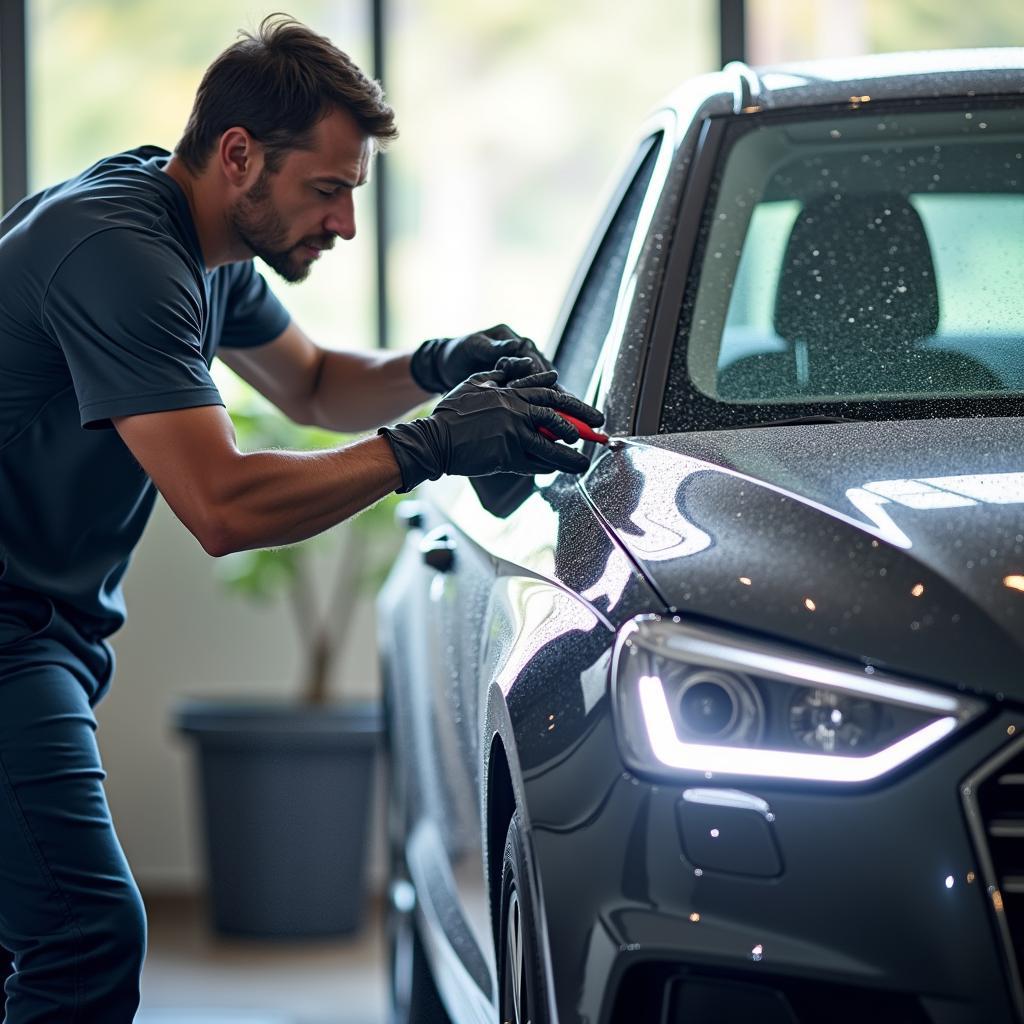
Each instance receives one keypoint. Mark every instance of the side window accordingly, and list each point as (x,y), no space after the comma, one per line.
(591,316)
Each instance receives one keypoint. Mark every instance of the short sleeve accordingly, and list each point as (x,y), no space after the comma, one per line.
(128,313)
(254,314)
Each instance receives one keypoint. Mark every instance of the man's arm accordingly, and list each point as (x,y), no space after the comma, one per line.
(233,501)
(344,391)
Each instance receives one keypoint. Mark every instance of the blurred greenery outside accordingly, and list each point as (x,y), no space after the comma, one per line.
(514,117)
(783,30)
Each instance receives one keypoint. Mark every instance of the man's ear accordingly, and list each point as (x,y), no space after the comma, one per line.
(240,157)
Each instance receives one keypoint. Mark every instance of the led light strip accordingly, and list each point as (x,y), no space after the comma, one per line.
(801,673)
(779,764)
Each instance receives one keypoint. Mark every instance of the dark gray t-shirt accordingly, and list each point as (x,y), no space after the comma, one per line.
(106,309)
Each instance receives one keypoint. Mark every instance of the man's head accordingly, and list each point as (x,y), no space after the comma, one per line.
(291,124)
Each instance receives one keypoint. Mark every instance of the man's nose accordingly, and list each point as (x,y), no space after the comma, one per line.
(341,220)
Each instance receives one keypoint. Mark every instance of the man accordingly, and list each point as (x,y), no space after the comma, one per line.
(119,287)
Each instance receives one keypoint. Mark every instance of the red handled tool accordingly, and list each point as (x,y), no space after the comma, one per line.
(587,432)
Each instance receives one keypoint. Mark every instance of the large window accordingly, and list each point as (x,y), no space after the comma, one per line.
(879,255)
(514,118)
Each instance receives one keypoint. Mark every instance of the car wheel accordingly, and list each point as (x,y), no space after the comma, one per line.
(520,981)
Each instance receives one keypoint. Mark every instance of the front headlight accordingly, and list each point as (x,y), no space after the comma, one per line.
(692,700)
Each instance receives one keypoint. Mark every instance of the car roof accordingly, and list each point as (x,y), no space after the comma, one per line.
(886,76)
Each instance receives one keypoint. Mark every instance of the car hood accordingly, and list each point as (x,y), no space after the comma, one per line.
(896,543)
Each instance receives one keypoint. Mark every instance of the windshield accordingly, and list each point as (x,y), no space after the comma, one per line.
(862,258)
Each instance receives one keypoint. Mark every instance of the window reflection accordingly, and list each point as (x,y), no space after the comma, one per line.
(663,532)
(541,614)
(656,527)
(963,491)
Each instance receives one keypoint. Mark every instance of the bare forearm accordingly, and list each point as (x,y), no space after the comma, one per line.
(272,498)
(359,391)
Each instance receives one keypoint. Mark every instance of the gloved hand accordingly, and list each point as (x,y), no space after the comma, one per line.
(443,363)
(488,424)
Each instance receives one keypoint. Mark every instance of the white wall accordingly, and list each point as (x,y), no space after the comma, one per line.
(186,636)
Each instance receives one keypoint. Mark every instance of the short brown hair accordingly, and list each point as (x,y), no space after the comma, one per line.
(277,84)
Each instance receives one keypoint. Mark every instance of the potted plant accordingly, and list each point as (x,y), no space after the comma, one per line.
(286,786)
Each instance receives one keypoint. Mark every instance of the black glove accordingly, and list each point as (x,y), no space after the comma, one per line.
(489,424)
(443,363)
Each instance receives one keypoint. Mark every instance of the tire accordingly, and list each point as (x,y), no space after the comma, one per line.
(521,992)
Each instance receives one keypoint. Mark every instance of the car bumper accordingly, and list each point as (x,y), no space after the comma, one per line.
(881,905)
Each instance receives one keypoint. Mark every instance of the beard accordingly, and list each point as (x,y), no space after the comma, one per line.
(258,224)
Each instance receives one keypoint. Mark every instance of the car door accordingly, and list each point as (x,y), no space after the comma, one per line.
(481,589)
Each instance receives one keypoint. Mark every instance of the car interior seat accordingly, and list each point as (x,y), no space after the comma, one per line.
(856,297)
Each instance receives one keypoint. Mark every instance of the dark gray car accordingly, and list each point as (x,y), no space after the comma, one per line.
(730,728)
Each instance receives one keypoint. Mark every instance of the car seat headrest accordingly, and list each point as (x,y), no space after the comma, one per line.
(858,272)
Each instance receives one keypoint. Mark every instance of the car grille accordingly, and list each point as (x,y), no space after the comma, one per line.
(994,800)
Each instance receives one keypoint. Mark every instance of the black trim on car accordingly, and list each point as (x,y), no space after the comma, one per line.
(654,378)
(979,827)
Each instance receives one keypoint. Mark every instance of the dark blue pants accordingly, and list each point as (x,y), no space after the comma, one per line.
(70,911)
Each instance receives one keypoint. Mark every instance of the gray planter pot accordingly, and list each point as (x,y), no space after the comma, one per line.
(286,797)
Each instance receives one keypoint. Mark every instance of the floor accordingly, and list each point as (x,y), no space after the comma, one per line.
(194,977)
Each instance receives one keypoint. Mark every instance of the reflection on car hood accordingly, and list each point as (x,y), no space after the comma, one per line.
(899,543)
